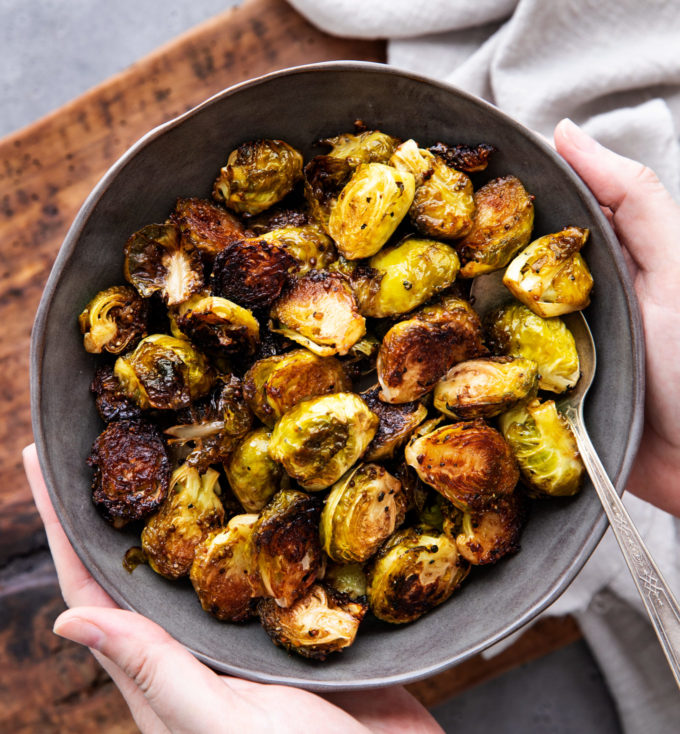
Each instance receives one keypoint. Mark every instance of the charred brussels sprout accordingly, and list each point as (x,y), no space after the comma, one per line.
(347,578)
(308,244)
(362,510)
(285,546)
(131,471)
(253,476)
(417,569)
(443,203)
(369,146)
(205,226)
(550,276)
(408,274)
(274,385)
(158,261)
(502,227)
(319,439)
(164,372)
(218,326)
(468,158)
(469,463)
(417,352)
(397,423)
(114,320)
(319,312)
(223,574)
(516,331)
(323,621)
(369,209)
(483,388)
(545,448)
(258,174)
(112,403)
(191,510)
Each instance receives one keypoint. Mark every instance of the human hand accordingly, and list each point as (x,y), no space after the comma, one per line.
(168,690)
(646,220)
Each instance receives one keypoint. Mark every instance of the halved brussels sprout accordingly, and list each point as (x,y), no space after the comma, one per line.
(205,226)
(131,471)
(319,439)
(369,208)
(469,463)
(251,272)
(217,325)
(114,320)
(285,546)
(550,276)
(468,158)
(223,573)
(408,274)
(112,403)
(347,578)
(258,174)
(502,227)
(417,569)
(190,511)
(514,330)
(443,203)
(368,146)
(308,244)
(164,372)
(275,384)
(482,388)
(544,447)
(319,312)
(397,423)
(362,510)
(158,261)
(486,537)
(253,476)
(417,352)
(321,622)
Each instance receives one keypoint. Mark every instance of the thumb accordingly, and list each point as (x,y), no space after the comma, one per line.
(185,694)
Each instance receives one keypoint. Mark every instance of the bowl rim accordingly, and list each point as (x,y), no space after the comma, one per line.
(558,586)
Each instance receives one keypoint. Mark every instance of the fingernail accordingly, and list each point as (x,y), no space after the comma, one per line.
(578,138)
(79,630)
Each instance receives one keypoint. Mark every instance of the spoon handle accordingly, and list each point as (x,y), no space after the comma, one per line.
(661,605)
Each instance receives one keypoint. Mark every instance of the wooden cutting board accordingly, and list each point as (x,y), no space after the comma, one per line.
(46,171)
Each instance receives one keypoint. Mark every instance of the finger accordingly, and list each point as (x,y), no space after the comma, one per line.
(643,210)
(77,585)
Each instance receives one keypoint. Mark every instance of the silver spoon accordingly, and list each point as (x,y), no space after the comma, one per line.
(488,292)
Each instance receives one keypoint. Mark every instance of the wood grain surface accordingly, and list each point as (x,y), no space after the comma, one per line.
(46,171)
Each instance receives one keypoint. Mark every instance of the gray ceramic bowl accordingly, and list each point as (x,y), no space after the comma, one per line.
(181,158)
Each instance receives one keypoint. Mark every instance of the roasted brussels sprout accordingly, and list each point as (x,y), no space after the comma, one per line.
(550,276)
(482,388)
(408,274)
(190,511)
(253,476)
(114,320)
(468,158)
(274,385)
(131,471)
(258,174)
(278,218)
(158,261)
(216,325)
(164,372)
(514,330)
(486,537)
(285,546)
(319,312)
(417,569)
(397,423)
(321,622)
(362,510)
(469,463)
(368,146)
(443,203)
(223,573)
(417,352)
(319,439)
(369,208)
(308,244)
(502,227)
(205,226)
(545,448)
(347,578)
(112,403)
(251,272)
(325,177)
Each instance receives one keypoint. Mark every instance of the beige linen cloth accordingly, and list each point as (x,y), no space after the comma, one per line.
(612,66)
